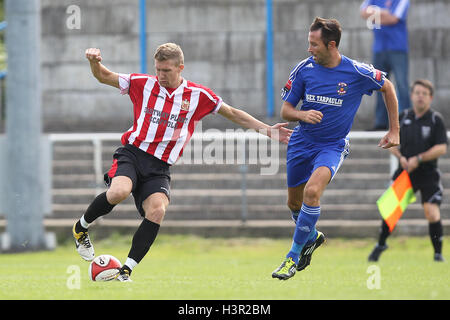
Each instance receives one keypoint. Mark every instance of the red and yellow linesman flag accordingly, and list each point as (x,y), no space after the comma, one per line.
(395,199)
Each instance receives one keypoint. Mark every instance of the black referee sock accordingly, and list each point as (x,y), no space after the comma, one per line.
(436,232)
(99,207)
(143,240)
(384,233)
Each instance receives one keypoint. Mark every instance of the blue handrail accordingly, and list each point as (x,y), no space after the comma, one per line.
(269,60)
(142,36)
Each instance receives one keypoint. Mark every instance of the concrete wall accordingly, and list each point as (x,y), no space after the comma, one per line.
(224,46)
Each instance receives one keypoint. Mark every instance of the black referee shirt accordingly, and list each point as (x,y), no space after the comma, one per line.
(417,135)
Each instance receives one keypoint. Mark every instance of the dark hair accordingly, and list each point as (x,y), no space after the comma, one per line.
(424,83)
(331,30)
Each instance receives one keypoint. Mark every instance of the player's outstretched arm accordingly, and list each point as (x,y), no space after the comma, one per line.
(289,113)
(100,72)
(392,138)
(242,118)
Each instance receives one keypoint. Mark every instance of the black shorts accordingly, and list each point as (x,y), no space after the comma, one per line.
(428,182)
(148,174)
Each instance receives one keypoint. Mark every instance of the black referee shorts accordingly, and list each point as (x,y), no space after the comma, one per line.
(428,182)
(148,173)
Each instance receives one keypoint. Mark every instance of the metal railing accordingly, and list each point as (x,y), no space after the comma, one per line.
(98,139)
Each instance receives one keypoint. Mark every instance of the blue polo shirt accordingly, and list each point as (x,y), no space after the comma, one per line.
(391,37)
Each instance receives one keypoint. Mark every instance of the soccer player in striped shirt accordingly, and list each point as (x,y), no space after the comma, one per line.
(331,87)
(166,108)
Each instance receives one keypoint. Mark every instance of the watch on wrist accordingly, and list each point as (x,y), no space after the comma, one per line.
(419,158)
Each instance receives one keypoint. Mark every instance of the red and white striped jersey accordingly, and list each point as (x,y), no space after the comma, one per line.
(164,119)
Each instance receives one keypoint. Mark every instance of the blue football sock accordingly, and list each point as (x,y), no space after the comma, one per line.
(295,215)
(312,236)
(305,227)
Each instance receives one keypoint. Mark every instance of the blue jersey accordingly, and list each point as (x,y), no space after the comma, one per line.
(336,92)
(391,37)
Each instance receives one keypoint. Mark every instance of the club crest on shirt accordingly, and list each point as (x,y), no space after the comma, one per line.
(185,105)
(426,132)
(342,88)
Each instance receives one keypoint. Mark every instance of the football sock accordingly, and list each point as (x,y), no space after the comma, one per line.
(83,222)
(142,240)
(384,233)
(129,265)
(304,228)
(99,207)
(295,215)
(436,232)
(79,227)
(312,236)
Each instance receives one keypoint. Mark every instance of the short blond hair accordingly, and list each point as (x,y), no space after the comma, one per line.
(170,51)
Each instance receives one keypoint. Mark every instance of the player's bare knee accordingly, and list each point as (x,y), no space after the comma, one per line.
(155,214)
(432,212)
(432,215)
(312,194)
(117,194)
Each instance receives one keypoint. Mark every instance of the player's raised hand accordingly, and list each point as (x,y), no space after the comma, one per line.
(280,132)
(93,55)
(100,72)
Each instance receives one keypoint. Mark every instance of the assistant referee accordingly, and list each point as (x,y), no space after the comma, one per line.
(423,139)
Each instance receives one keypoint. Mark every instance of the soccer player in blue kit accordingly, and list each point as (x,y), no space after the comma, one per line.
(331,87)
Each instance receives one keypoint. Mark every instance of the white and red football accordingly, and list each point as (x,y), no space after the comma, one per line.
(104,268)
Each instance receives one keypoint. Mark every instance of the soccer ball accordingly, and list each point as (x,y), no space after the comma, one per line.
(104,268)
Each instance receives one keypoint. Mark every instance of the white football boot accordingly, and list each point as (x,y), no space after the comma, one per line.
(123,276)
(84,245)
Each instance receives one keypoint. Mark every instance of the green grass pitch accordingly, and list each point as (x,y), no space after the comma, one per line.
(192,268)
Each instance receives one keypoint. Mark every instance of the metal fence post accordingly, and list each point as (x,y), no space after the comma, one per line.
(98,164)
(243,169)
(244,206)
(23,175)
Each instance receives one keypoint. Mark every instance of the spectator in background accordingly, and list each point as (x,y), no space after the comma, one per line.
(423,139)
(387,19)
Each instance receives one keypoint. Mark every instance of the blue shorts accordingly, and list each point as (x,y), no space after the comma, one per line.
(305,156)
